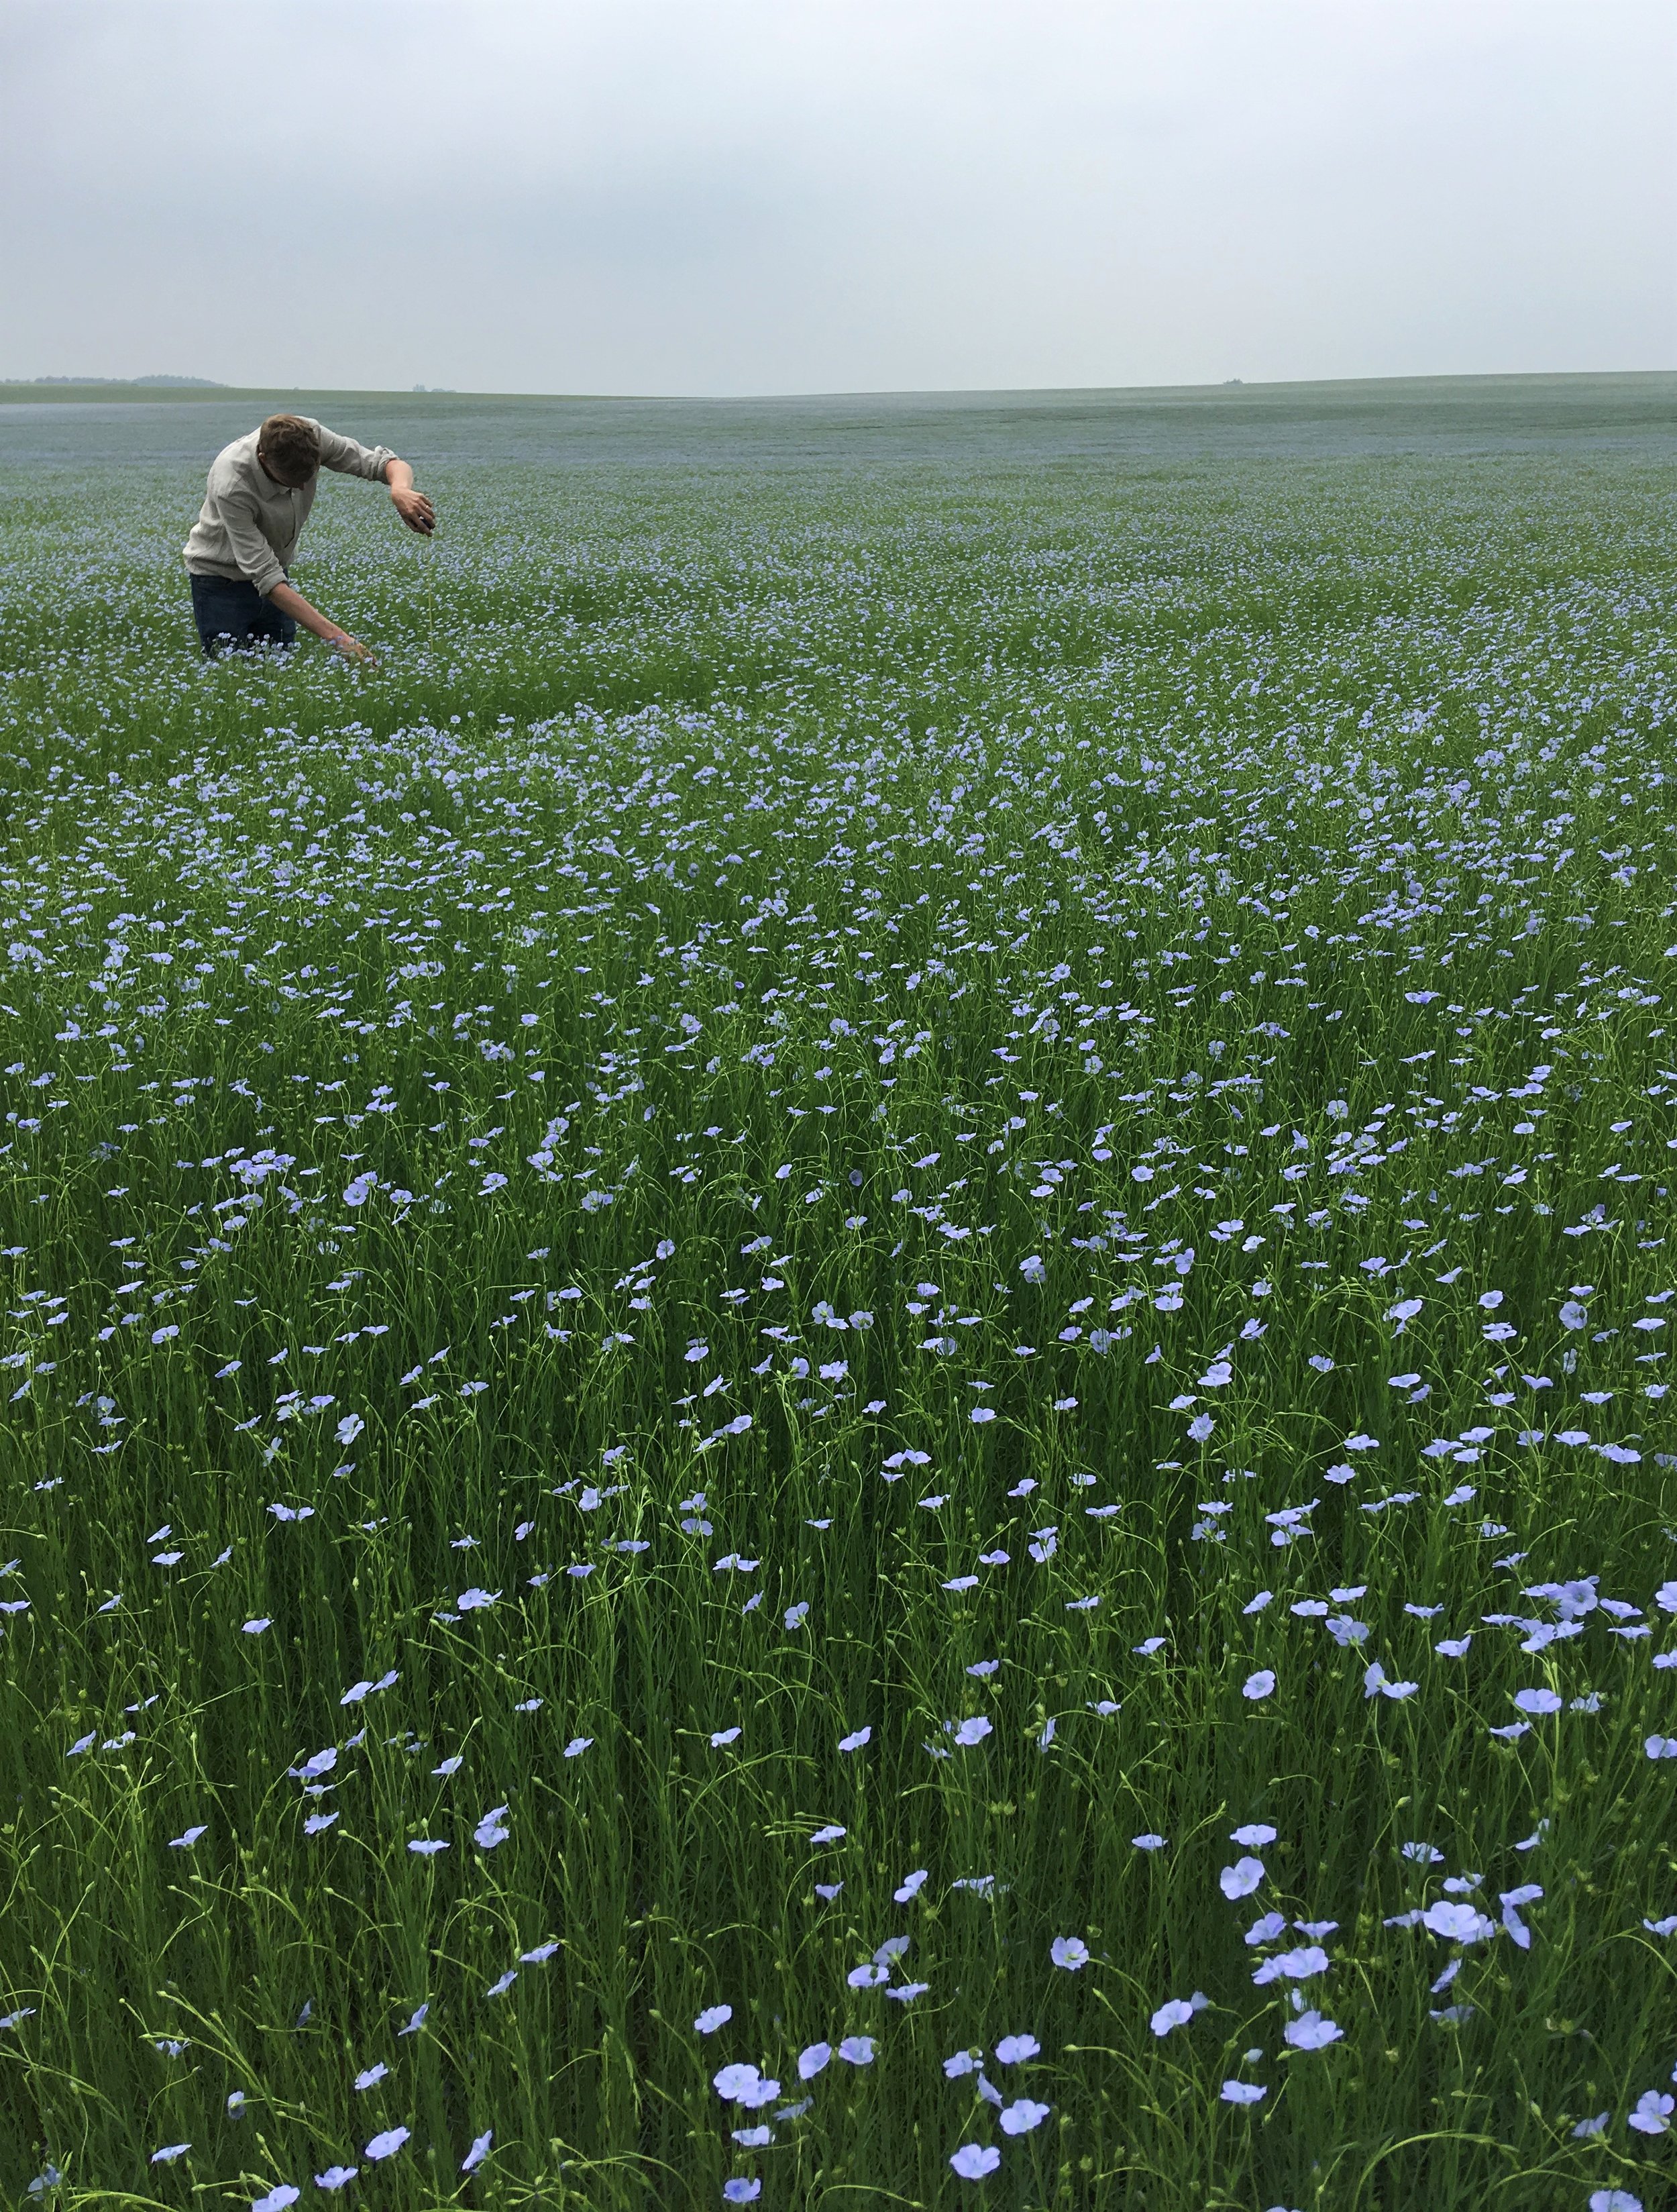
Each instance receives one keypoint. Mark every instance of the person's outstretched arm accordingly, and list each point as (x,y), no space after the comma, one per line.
(379,465)
(289,601)
(415,509)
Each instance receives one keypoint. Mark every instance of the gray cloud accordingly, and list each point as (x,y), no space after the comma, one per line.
(641,196)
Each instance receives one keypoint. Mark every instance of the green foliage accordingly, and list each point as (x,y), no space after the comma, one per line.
(1079,926)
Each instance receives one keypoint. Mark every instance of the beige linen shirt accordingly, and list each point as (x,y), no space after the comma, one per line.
(249,525)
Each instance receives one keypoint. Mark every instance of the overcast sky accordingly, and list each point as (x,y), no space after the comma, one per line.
(750,196)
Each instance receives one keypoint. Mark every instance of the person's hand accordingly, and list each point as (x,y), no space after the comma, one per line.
(352,649)
(415,509)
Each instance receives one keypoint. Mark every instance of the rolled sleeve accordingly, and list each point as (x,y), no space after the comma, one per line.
(350,459)
(256,557)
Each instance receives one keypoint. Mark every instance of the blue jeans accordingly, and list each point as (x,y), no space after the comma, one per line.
(233,617)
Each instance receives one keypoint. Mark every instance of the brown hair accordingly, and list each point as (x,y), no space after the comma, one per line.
(290,447)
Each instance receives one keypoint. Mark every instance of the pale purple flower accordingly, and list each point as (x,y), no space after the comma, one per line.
(1240,1879)
(1243,2093)
(1175,2013)
(386,2144)
(1070,1952)
(336,2176)
(1020,2117)
(1511,1900)
(811,2061)
(973,2161)
(1458,1923)
(742,2189)
(1651,2115)
(743,2085)
(1537,1701)
(711,2018)
(1014,2050)
(479,2151)
(857,2050)
(1258,1686)
(1293,1965)
(855,1740)
(1310,2032)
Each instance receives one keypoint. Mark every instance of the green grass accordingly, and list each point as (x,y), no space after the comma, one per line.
(931,871)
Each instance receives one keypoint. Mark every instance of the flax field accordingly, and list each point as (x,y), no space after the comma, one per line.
(835,1360)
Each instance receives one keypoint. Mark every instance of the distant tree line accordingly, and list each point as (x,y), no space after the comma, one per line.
(208,382)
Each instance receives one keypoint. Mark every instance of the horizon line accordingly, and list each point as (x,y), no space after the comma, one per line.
(199,390)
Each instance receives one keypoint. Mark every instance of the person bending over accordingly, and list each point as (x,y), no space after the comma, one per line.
(261,489)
